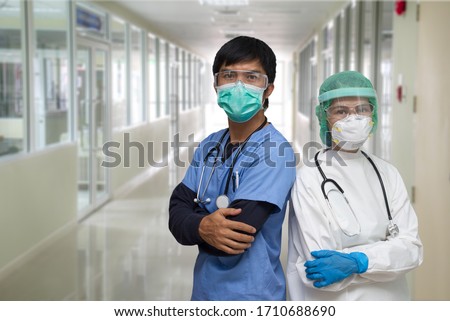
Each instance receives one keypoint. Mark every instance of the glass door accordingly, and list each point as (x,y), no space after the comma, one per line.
(92,126)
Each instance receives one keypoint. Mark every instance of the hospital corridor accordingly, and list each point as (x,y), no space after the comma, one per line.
(103,103)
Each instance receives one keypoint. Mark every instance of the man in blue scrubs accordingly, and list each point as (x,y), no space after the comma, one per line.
(232,201)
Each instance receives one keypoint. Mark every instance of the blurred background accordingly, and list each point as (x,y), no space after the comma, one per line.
(75,75)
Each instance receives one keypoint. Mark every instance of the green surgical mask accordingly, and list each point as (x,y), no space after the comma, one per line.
(240,101)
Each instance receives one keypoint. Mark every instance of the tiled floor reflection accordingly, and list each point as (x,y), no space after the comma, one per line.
(124,251)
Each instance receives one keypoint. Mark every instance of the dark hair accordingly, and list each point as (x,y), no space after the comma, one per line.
(243,49)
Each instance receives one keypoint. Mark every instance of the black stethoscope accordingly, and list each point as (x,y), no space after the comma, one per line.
(393,229)
(222,200)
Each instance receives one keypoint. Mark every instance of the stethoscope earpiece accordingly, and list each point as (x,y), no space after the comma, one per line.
(196,200)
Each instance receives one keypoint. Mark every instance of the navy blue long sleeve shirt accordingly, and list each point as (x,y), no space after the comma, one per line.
(185,216)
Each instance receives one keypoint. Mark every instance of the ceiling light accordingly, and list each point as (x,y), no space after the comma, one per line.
(237,32)
(228,20)
(225,3)
(227,12)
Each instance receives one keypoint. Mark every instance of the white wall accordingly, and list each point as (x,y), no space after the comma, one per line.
(154,133)
(404,55)
(157,141)
(38,200)
(404,73)
(432,153)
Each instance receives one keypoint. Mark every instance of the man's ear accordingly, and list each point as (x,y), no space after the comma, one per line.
(215,88)
(268,91)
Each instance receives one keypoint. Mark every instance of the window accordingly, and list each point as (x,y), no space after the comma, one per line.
(136,81)
(384,80)
(194,80)
(12,113)
(51,73)
(341,41)
(353,35)
(307,80)
(119,74)
(190,86)
(327,53)
(152,76)
(368,38)
(182,79)
(198,81)
(173,78)
(162,67)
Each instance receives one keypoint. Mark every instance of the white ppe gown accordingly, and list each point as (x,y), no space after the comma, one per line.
(313,226)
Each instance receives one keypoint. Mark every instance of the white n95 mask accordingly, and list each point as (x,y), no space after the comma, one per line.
(351,132)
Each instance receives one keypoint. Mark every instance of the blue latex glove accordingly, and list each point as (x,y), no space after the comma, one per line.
(331,266)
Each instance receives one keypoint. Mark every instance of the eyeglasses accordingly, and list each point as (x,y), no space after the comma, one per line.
(340,112)
(246,76)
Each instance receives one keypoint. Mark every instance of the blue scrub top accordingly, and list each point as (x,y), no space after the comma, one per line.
(266,168)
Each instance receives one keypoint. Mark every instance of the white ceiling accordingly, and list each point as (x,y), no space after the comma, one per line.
(283,25)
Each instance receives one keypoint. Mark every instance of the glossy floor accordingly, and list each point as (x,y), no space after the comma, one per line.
(124,251)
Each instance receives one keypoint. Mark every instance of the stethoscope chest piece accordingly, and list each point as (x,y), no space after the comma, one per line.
(393,229)
(222,201)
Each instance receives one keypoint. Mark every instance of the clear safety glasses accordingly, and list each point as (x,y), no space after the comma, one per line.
(341,112)
(246,76)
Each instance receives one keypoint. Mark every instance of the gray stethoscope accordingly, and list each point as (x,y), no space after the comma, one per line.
(393,229)
(222,200)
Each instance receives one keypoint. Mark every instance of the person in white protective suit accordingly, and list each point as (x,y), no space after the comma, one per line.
(353,234)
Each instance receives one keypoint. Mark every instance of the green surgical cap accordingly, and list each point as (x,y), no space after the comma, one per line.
(343,84)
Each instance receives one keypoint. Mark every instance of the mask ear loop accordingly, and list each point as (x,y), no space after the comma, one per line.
(320,113)
(265,104)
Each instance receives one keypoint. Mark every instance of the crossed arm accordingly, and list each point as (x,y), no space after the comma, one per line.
(227,231)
